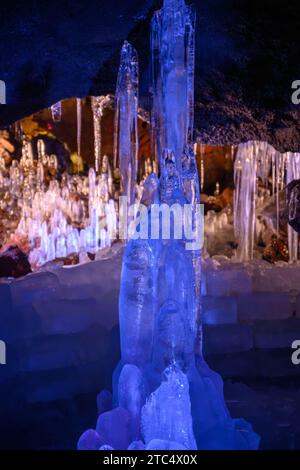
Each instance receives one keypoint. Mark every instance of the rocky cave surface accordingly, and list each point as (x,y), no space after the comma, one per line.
(246,61)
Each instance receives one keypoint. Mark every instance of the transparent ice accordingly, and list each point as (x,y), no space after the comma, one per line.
(159,302)
(126,146)
(172,87)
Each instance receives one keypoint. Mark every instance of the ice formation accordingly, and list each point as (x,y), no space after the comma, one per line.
(99,103)
(172,87)
(79,124)
(56,111)
(258,171)
(163,391)
(172,423)
(75,215)
(126,147)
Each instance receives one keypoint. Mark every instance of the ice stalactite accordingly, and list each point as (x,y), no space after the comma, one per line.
(126,144)
(259,162)
(202,168)
(99,103)
(79,124)
(292,173)
(254,161)
(172,87)
(56,111)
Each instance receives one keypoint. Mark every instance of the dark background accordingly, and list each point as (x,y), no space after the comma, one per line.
(247,56)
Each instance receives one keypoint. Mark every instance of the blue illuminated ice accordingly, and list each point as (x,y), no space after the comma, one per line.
(132,396)
(126,146)
(89,440)
(167,413)
(173,57)
(163,390)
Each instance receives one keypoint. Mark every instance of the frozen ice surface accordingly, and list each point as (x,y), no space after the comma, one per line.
(160,444)
(132,396)
(114,427)
(89,440)
(104,401)
(167,413)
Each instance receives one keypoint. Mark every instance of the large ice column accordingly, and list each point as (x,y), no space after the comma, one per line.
(172,49)
(126,144)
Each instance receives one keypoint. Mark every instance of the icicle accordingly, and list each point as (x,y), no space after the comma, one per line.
(79,123)
(126,145)
(244,199)
(202,169)
(99,103)
(56,111)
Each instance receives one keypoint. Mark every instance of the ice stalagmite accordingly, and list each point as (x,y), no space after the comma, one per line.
(172,49)
(170,423)
(126,121)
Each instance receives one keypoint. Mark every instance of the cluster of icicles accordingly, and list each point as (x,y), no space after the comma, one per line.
(75,215)
(258,161)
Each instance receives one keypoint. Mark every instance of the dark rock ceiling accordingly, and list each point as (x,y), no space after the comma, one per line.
(247,56)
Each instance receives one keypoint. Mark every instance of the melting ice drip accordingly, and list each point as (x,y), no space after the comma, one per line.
(259,160)
(164,394)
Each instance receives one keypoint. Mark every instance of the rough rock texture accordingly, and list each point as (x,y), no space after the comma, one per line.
(246,61)
(14,263)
